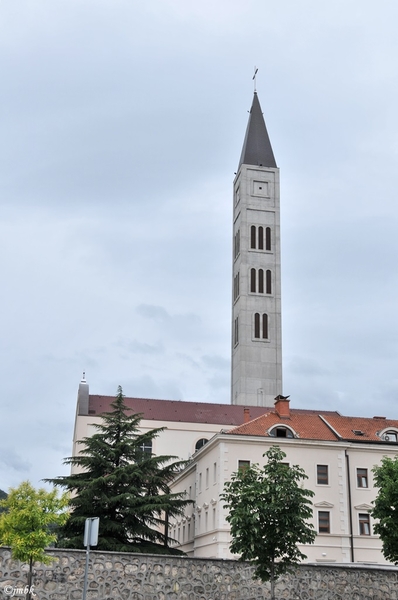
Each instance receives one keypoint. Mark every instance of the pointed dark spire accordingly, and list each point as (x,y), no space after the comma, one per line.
(257,148)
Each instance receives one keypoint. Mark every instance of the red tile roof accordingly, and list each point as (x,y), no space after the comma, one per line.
(187,412)
(367,429)
(307,426)
(320,426)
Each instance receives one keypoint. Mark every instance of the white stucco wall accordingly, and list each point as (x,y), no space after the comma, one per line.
(221,456)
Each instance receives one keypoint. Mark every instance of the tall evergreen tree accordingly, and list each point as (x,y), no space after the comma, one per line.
(124,485)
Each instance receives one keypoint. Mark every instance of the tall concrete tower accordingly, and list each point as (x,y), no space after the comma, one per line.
(256,295)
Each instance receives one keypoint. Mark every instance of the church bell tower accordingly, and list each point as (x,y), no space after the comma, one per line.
(256,290)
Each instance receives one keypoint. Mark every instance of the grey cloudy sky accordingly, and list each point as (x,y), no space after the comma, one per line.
(122,124)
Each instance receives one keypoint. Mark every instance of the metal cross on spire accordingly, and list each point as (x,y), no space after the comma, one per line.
(254,78)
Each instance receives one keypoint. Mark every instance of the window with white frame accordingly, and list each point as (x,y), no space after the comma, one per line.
(243,465)
(362,478)
(322,474)
(323,521)
(364,524)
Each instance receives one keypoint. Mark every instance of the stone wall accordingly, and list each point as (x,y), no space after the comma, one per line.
(114,576)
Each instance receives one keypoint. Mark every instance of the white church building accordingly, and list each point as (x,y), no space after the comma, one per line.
(337,452)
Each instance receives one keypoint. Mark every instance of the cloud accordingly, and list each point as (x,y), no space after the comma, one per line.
(157,313)
(217,362)
(11,459)
(136,347)
(302,366)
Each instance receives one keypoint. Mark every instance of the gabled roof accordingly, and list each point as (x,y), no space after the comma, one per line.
(225,415)
(327,426)
(177,410)
(257,149)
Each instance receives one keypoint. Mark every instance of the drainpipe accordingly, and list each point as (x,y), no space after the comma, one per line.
(347,458)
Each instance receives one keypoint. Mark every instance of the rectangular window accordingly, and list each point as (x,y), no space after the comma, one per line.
(236,331)
(243,465)
(364,524)
(215,472)
(214,518)
(237,244)
(206,521)
(189,531)
(200,482)
(236,287)
(207,478)
(324,521)
(322,474)
(362,478)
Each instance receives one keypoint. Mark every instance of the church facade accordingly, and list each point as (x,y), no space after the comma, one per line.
(336,452)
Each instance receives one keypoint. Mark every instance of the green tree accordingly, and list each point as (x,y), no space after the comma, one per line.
(27,525)
(3,496)
(124,485)
(268,514)
(386,506)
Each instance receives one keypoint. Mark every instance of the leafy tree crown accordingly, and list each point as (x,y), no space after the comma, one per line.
(29,521)
(268,513)
(386,506)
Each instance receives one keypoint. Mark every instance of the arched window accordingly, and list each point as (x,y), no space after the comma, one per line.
(268,287)
(253,280)
(265,326)
(257,238)
(261,238)
(268,238)
(260,326)
(200,443)
(390,436)
(260,281)
(284,432)
(257,325)
(253,236)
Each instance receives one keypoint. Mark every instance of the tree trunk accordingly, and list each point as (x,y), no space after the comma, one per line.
(30,573)
(272,580)
(166,529)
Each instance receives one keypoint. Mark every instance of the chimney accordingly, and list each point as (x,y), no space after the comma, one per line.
(282,406)
(246,415)
(83,397)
